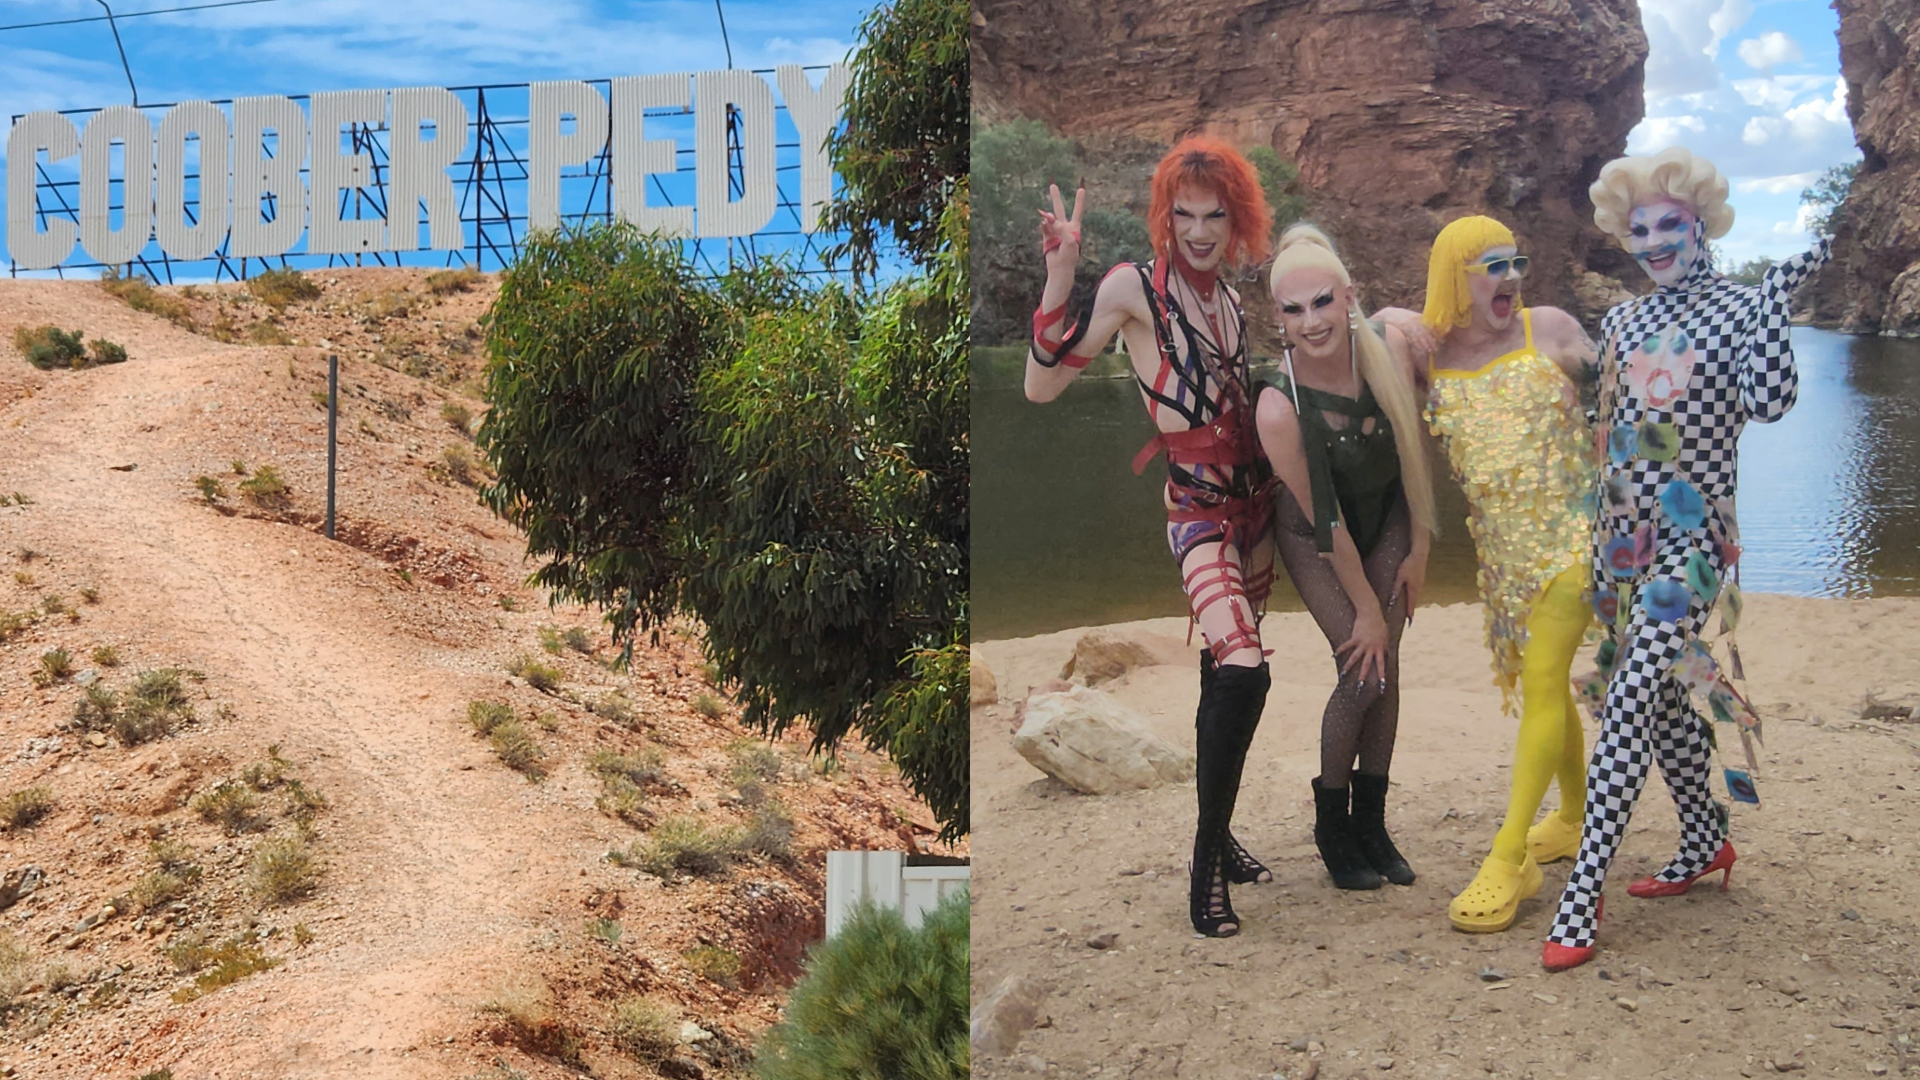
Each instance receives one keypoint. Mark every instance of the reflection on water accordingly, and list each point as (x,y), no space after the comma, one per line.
(1065,535)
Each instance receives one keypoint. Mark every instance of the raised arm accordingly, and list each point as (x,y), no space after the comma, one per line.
(1769,381)
(1059,351)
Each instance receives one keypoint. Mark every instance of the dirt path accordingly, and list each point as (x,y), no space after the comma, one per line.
(449,876)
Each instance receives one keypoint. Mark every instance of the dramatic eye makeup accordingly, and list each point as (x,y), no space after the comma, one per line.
(1294,307)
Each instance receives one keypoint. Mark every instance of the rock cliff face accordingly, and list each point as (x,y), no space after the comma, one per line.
(1401,114)
(1873,283)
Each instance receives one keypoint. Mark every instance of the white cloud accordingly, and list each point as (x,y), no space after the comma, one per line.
(1759,129)
(1798,226)
(1683,40)
(1793,183)
(1656,133)
(1770,50)
(1777,92)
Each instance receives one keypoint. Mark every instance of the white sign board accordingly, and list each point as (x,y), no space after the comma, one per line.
(252,160)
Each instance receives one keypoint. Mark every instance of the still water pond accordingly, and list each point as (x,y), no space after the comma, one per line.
(1065,535)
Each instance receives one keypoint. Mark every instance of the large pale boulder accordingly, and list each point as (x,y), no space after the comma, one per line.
(1005,1014)
(1091,742)
(982,689)
(1103,655)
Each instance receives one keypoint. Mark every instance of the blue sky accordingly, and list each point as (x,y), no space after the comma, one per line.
(297,47)
(1754,86)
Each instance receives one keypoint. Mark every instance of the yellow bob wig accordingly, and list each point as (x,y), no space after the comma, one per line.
(1449,304)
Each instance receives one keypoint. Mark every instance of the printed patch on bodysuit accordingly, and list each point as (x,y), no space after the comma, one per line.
(1659,371)
(1666,600)
(1683,505)
(1619,556)
(1621,443)
(1695,669)
(1702,579)
(1731,603)
(1740,787)
(1643,546)
(1619,495)
(1606,604)
(1657,441)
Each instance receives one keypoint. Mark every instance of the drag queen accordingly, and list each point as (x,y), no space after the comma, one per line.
(1503,392)
(1353,523)
(1186,335)
(1682,371)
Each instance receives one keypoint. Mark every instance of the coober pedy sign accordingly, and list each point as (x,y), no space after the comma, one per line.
(258,200)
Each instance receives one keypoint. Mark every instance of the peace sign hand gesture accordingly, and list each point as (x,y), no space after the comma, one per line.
(1060,234)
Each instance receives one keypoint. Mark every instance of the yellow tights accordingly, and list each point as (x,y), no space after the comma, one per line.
(1550,742)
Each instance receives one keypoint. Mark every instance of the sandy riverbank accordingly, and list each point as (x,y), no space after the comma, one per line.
(1808,961)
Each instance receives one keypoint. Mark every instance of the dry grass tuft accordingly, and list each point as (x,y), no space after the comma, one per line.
(284,869)
(26,807)
(278,288)
(442,282)
(714,964)
(645,1029)
(232,806)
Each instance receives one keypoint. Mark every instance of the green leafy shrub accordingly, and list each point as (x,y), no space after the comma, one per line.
(49,347)
(878,999)
(266,488)
(102,351)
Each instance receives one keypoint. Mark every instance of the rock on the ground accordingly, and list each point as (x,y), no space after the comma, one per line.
(1005,1014)
(1090,741)
(1102,655)
(982,689)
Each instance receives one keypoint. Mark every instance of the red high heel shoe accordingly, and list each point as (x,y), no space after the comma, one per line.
(1557,957)
(1722,861)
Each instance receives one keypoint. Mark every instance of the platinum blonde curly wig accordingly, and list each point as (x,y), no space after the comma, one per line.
(1674,173)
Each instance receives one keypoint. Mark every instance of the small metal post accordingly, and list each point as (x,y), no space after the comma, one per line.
(333,415)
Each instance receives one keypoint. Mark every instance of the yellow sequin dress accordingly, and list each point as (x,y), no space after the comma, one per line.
(1519,447)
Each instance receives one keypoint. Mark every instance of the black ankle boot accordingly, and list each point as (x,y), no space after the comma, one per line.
(1241,867)
(1369,817)
(1333,835)
(1230,703)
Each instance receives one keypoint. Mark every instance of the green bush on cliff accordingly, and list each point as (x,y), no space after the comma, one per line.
(878,1000)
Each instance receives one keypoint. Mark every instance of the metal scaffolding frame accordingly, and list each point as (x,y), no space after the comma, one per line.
(490,184)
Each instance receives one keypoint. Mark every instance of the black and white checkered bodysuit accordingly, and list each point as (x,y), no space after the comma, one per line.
(1704,355)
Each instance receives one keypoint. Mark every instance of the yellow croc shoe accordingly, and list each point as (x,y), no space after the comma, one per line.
(1488,904)
(1554,839)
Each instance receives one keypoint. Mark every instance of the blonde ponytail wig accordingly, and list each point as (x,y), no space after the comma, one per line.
(1449,302)
(1304,246)
(1673,173)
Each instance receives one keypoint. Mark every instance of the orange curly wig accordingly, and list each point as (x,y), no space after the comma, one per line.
(1205,162)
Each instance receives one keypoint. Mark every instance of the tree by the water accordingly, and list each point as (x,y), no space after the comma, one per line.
(1823,199)
(784,460)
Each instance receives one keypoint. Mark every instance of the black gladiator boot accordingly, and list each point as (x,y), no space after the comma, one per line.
(1369,819)
(1229,710)
(1242,867)
(1333,835)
